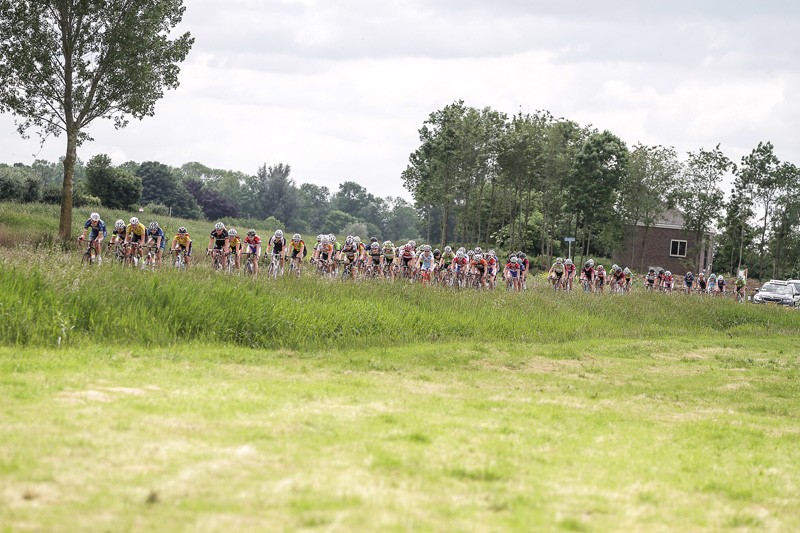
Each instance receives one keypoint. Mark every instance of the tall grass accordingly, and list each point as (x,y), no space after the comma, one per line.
(51,300)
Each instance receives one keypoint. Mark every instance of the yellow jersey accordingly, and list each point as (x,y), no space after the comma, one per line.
(139,229)
(183,239)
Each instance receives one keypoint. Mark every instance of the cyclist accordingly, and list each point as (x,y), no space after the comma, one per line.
(512,272)
(407,254)
(361,259)
(374,258)
(446,260)
(277,243)
(326,254)
(157,240)
(524,267)
(182,241)
(721,285)
(337,247)
(600,278)
(712,283)
(235,247)
(315,255)
(297,246)
(557,273)
(688,282)
(219,244)
(569,269)
(588,275)
(97,232)
(425,263)
(740,284)
(135,235)
(667,281)
(660,279)
(650,279)
(459,267)
(701,282)
(492,264)
(350,255)
(618,277)
(253,247)
(118,233)
(388,258)
(479,267)
(628,279)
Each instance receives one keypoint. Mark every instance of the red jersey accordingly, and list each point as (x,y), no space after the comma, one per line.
(255,240)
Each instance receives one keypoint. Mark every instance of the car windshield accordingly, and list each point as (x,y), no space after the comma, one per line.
(777,289)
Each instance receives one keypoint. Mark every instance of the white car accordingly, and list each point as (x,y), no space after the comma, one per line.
(778,292)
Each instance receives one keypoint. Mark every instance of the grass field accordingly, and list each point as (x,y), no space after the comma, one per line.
(165,401)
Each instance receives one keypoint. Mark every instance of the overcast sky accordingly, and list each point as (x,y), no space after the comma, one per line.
(338,89)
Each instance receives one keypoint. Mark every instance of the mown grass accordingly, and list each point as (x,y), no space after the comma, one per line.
(49,300)
(688,433)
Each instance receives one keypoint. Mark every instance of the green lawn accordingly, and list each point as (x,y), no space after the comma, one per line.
(677,434)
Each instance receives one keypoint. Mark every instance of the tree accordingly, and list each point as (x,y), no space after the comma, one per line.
(65,63)
(699,196)
(214,205)
(272,193)
(116,188)
(161,186)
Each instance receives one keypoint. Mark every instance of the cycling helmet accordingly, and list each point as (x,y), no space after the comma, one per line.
(332,237)
(712,276)
(134,221)
(512,255)
(470,253)
(720,278)
(477,257)
(462,250)
(373,239)
(296,237)
(567,261)
(688,273)
(94,216)
(388,244)
(492,252)
(447,249)
(375,246)
(413,244)
(660,270)
(349,240)
(614,266)
(279,233)
(219,225)
(701,275)
(319,237)
(600,267)
(251,232)
(461,255)
(426,248)
(437,252)
(232,232)
(560,260)
(652,270)
(181,230)
(326,239)
(478,250)
(514,259)
(119,224)
(357,239)
(153,225)
(523,256)
(668,273)
(627,270)
(590,262)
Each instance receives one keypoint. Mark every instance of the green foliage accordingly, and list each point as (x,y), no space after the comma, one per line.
(161,185)
(116,188)
(19,184)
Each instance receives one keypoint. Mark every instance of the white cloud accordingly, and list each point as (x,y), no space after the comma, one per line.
(338,90)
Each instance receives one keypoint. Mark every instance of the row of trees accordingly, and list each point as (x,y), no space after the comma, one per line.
(529,180)
(199,192)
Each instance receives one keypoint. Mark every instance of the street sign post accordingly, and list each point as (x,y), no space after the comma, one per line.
(570,240)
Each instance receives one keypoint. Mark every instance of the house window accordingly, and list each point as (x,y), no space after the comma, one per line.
(677,248)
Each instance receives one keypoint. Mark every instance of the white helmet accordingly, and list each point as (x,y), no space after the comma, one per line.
(296,237)
(357,239)
(628,271)
(514,259)
(477,257)
(134,221)
(219,225)
(478,250)
(426,248)
(278,233)
(232,232)
(568,261)
(332,237)
(319,237)
(447,249)
(413,244)
(668,273)
(326,239)
(119,224)
(154,225)
(94,216)
(720,278)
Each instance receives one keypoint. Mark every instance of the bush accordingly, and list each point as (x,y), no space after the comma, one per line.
(157,209)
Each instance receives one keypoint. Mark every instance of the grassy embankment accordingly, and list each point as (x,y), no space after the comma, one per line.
(167,400)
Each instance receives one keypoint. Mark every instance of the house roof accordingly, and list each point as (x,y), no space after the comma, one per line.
(670,219)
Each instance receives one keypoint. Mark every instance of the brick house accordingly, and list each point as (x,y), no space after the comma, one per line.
(666,244)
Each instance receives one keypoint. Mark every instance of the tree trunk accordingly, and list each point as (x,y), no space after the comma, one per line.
(445,216)
(65,221)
